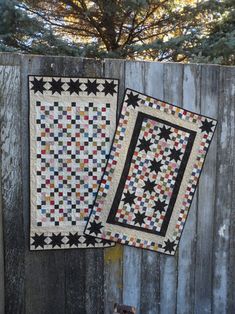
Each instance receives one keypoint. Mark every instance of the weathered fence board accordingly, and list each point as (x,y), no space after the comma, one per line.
(150,289)
(114,256)
(2,301)
(173,93)
(200,278)
(132,256)
(11,188)
(187,253)
(224,203)
(205,215)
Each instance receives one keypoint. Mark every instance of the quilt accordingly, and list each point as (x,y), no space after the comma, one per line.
(72,123)
(152,173)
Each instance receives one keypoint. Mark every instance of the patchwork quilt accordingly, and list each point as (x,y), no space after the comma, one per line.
(152,173)
(72,123)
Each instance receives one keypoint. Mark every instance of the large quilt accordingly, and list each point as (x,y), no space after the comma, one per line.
(152,173)
(72,123)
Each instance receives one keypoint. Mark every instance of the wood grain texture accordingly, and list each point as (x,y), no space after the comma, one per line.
(73,271)
(173,93)
(7,58)
(199,279)
(11,188)
(206,200)
(113,257)
(187,255)
(94,258)
(150,288)
(84,291)
(230,112)
(41,274)
(135,79)
(223,254)
(2,292)
(116,69)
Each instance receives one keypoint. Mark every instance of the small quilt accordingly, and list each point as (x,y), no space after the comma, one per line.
(152,173)
(72,124)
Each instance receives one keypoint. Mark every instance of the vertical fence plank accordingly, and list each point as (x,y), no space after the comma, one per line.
(186,259)
(94,257)
(79,277)
(173,87)
(206,198)
(94,281)
(134,78)
(71,270)
(11,181)
(224,194)
(116,69)
(8,59)
(150,288)
(2,292)
(44,271)
(113,256)
(231,268)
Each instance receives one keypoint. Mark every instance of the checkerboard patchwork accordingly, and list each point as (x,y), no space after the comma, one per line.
(71,128)
(150,202)
(152,173)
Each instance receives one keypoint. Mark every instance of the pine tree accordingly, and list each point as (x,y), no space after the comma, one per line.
(189,30)
(20,31)
(156,29)
(218,45)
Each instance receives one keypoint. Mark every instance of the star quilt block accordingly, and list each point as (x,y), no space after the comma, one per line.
(72,123)
(152,173)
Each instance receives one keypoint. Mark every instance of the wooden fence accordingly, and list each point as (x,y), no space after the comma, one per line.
(199,279)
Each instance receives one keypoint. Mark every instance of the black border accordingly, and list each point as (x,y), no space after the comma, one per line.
(121,107)
(29,134)
(127,164)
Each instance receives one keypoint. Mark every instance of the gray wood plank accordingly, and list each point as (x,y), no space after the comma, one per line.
(113,276)
(206,198)
(44,271)
(150,270)
(75,260)
(11,182)
(8,58)
(94,281)
(70,268)
(116,69)
(94,291)
(2,292)
(76,272)
(186,259)
(134,78)
(113,256)
(223,254)
(231,272)
(45,284)
(173,86)
(75,281)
